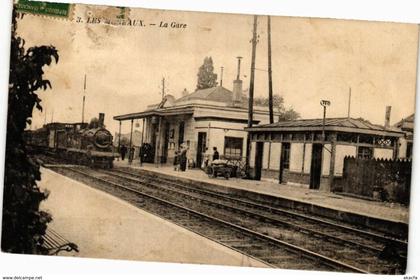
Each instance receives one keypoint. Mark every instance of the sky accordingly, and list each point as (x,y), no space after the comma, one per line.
(312,59)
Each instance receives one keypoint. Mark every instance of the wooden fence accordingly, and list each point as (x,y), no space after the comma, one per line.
(379,179)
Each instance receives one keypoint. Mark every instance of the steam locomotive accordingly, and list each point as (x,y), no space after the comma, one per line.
(77,143)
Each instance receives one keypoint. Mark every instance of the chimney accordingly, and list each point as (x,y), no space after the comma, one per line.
(387,116)
(101,119)
(237,85)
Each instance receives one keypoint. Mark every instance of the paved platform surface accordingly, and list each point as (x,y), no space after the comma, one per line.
(374,209)
(106,227)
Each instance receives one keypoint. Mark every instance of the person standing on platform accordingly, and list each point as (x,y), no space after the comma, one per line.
(176,161)
(206,159)
(215,154)
(123,151)
(183,158)
(131,154)
(141,155)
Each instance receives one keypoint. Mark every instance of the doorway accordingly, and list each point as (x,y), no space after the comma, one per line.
(316,166)
(181,133)
(284,160)
(201,147)
(258,160)
(165,147)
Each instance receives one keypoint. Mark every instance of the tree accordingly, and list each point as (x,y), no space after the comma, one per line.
(288,115)
(278,102)
(206,78)
(23,223)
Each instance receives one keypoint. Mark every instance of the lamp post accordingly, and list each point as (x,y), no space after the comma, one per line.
(325,104)
(251,95)
(333,138)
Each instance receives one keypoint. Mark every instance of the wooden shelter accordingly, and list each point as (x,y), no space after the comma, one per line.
(310,152)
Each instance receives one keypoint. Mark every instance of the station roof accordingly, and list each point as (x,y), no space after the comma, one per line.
(218,94)
(182,110)
(216,98)
(351,125)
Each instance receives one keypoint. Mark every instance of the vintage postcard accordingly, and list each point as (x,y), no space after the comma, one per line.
(205,138)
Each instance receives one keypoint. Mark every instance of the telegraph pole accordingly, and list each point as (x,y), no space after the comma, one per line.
(251,94)
(348,109)
(163,88)
(270,78)
(83,104)
(119,138)
(270,83)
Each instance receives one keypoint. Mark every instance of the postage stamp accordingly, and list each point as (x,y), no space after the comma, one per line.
(57,10)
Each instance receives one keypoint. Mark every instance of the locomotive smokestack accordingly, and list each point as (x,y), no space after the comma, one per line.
(101,119)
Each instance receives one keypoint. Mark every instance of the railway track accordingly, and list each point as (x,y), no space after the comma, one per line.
(338,229)
(277,237)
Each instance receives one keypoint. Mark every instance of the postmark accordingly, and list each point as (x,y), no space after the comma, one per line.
(49,9)
(107,15)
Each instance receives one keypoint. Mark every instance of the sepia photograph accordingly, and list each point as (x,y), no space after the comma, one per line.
(209,138)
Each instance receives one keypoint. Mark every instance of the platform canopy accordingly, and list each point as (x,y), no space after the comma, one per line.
(351,125)
(182,110)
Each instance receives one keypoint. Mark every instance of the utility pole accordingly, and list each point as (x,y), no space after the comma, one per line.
(83,104)
(221,76)
(348,109)
(163,88)
(141,145)
(130,156)
(119,137)
(270,78)
(270,83)
(251,94)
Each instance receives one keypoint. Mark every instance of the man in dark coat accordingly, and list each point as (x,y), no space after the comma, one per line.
(215,153)
(183,159)
(123,151)
(131,154)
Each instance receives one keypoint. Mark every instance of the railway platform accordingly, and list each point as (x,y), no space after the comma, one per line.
(354,210)
(104,226)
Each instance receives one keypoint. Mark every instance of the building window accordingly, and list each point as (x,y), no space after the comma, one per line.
(365,152)
(233,147)
(285,155)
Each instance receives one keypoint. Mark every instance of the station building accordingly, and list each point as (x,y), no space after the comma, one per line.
(295,151)
(207,118)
